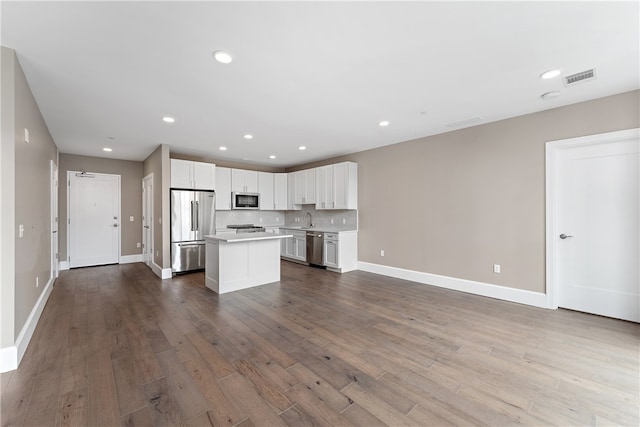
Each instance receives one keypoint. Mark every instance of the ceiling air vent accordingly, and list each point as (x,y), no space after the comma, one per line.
(583,76)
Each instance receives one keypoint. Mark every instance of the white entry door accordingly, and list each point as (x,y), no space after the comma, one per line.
(94,219)
(597,229)
(147,219)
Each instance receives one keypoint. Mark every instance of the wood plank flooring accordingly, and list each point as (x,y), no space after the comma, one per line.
(117,346)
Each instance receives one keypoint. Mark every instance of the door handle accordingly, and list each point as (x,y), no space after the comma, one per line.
(54,231)
(564,236)
(115,225)
(192,218)
(197,215)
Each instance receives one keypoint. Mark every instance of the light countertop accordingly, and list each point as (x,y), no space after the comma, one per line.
(245,237)
(321,229)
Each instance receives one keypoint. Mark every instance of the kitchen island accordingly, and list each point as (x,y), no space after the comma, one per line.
(240,261)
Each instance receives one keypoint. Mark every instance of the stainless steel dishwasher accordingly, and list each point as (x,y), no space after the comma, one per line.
(315,247)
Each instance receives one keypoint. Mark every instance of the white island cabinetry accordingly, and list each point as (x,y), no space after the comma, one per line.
(240,261)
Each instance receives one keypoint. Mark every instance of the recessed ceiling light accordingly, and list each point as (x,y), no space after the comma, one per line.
(302,147)
(107,149)
(222,56)
(248,136)
(550,74)
(272,156)
(168,119)
(550,95)
(223,148)
(383,123)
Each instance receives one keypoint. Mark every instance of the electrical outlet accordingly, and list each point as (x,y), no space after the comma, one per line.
(138,244)
(260,219)
(37,281)
(381,252)
(131,219)
(157,254)
(496,268)
(331,220)
(21,231)
(277,219)
(344,220)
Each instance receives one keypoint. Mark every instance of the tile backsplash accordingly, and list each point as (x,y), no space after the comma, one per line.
(347,219)
(265,218)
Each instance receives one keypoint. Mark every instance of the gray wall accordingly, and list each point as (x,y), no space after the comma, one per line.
(130,197)
(456,203)
(30,199)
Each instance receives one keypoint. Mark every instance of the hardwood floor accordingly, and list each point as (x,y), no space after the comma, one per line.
(116,345)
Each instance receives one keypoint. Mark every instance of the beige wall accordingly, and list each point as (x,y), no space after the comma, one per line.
(130,197)
(30,200)
(158,163)
(7,199)
(456,203)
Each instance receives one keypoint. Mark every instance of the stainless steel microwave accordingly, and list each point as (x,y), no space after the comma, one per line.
(245,200)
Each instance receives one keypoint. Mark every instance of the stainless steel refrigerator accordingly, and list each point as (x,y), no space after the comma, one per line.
(193,216)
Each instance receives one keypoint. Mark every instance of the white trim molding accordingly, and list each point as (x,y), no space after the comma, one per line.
(129,259)
(10,357)
(163,273)
(536,299)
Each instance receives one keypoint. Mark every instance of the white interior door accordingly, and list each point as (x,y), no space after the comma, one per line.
(147,219)
(54,221)
(598,226)
(94,219)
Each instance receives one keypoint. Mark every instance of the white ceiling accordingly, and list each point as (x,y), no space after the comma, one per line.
(319,74)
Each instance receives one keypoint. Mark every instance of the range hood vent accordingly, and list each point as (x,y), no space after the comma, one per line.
(583,76)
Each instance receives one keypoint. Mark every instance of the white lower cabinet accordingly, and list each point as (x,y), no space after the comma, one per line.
(331,248)
(341,251)
(294,248)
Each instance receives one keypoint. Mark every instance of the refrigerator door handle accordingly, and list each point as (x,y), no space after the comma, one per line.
(192,218)
(197,215)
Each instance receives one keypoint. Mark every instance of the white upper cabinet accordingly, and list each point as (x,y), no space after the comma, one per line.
(345,185)
(244,181)
(265,187)
(324,185)
(192,175)
(223,189)
(337,186)
(304,187)
(280,191)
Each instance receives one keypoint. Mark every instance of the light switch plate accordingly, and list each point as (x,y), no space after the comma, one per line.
(26,135)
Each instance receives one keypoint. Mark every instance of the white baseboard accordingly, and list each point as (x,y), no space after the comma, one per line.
(163,273)
(128,259)
(124,259)
(535,299)
(10,357)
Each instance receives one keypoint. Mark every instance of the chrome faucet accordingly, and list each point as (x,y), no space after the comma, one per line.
(308,219)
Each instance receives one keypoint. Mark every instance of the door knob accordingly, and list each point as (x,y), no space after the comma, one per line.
(564,236)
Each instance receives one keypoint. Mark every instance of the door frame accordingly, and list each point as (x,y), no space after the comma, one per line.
(69,174)
(552,150)
(145,213)
(55,226)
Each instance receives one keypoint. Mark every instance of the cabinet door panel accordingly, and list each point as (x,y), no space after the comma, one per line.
(204,175)
(223,189)
(280,191)
(265,188)
(181,173)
